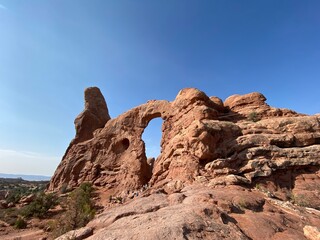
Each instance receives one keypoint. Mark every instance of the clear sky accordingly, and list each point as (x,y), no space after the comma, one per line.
(134,51)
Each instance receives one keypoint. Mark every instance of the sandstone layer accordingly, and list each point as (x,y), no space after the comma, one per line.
(208,147)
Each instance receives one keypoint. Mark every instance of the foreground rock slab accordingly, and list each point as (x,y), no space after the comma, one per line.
(200,212)
(78,234)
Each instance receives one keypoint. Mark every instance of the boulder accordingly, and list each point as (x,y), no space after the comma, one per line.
(79,234)
(27,199)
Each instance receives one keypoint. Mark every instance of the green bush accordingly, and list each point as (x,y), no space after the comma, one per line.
(40,206)
(9,215)
(253,116)
(80,210)
(20,223)
(16,194)
(64,188)
(301,200)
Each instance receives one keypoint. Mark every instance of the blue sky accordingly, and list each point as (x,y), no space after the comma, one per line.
(134,51)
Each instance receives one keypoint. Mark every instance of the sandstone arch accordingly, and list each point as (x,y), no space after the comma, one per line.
(203,139)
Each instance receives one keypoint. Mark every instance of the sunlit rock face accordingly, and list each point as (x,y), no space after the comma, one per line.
(204,140)
(223,168)
(94,116)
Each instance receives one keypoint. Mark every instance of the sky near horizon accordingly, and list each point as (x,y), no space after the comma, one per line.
(135,51)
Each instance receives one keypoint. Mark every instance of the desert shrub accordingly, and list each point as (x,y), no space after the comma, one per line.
(301,200)
(253,116)
(20,223)
(13,197)
(9,215)
(64,188)
(40,206)
(87,188)
(80,210)
(242,204)
(16,194)
(258,187)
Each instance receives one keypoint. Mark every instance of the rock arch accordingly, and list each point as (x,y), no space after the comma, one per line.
(117,149)
(202,139)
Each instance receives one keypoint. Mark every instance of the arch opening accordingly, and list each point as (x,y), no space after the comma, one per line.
(151,137)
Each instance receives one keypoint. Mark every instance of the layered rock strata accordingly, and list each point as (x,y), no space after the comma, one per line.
(240,141)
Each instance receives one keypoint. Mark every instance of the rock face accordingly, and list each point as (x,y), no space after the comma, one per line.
(205,143)
(94,116)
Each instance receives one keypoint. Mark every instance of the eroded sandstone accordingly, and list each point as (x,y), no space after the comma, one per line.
(206,144)
(202,137)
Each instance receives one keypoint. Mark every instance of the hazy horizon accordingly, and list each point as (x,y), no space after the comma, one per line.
(25,177)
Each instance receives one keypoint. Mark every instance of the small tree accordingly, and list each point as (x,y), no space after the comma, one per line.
(20,223)
(80,209)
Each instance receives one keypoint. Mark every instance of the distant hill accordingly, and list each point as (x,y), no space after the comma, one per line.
(26,177)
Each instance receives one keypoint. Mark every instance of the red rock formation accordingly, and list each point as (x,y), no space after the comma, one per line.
(94,116)
(114,156)
(206,144)
(201,139)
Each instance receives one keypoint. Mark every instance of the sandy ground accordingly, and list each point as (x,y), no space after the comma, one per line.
(27,234)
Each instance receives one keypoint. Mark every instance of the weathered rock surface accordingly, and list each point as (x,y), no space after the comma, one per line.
(78,234)
(94,116)
(27,199)
(244,105)
(312,233)
(199,212)
(115,156)
(212,155)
